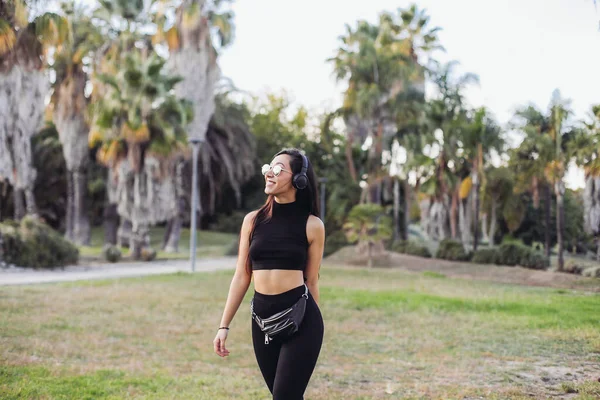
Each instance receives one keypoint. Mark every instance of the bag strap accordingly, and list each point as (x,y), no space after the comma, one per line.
(258,319)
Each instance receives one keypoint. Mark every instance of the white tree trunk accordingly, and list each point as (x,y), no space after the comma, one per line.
(591,204)
(173,232)
(493,222)
(143,198)
(70,206)
(22,95)
(81,223)
(484,228)
(73,134)
(465,216)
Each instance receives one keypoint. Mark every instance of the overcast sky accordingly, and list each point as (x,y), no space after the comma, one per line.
(521,50)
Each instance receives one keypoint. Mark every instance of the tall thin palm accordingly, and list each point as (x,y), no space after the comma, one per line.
(69,113)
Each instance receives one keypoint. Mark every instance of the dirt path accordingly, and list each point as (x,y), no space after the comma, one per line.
(493,273)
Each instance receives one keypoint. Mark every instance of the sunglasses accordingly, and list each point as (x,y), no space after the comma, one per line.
(276,169)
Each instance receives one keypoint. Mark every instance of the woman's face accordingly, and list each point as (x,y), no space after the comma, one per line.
(276,185)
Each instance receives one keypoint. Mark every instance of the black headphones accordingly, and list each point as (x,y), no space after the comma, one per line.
(300,180)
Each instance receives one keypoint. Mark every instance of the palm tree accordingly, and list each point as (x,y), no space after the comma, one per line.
(530,159)
(496,193)
(368,224)
(193,56)
(555,171)
(481,138)
(584,148)
(139,124)
(449,119)
(23,87)
(223,168)
(69,107)
(379,63)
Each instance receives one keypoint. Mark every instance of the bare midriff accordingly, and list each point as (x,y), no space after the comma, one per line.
(276,281)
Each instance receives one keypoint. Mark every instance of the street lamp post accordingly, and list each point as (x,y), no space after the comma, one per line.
(323,182)
(195,142)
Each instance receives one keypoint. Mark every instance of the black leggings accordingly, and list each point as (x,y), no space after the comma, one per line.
(287,363)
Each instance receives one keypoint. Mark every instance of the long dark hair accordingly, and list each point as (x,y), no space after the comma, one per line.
(308,198)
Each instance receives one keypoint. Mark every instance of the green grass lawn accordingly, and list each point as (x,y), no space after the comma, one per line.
(209,244)
(388,334)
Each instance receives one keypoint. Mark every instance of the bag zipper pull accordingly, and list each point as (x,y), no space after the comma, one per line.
(266,339)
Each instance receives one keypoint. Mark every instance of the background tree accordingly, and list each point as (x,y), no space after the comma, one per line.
(69,105)
(368,224)
(23,87)
(139,123)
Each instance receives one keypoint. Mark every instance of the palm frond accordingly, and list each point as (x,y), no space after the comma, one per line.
(7,37)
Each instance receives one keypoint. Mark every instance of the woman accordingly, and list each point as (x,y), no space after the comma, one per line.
(281,246)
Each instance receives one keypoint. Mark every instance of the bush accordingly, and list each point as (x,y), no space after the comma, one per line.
(486,256)
(410,247)
(335,241)
(148,254)
(513,253)
(111,253)
(593,272)
(509,253)
(34,244)
(452,250)
(574,267)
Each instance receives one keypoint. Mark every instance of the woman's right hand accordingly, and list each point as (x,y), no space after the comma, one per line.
(219,343)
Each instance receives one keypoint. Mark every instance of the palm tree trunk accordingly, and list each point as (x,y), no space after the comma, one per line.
(69,210)
(454,214)
(110,214)
(396,209)
(493,222)
(407,205)
(476,233)
(81,223)
(350,159)
(173,233)
(559,223)
(547,211)
(370,255)
(30,201)
(484,227)
(19,211)
(111,223)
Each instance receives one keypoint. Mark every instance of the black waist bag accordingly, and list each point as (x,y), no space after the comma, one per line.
(283,323)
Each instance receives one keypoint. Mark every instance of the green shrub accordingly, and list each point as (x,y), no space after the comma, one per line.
(410,247)
(111,253)
(534,260)
(509,253)
(593,272)
(577,266)
(513,253)
(486,256)
(335,241)
(452,250)
(34,244)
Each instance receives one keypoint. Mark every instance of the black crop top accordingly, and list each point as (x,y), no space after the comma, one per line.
(281,242)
